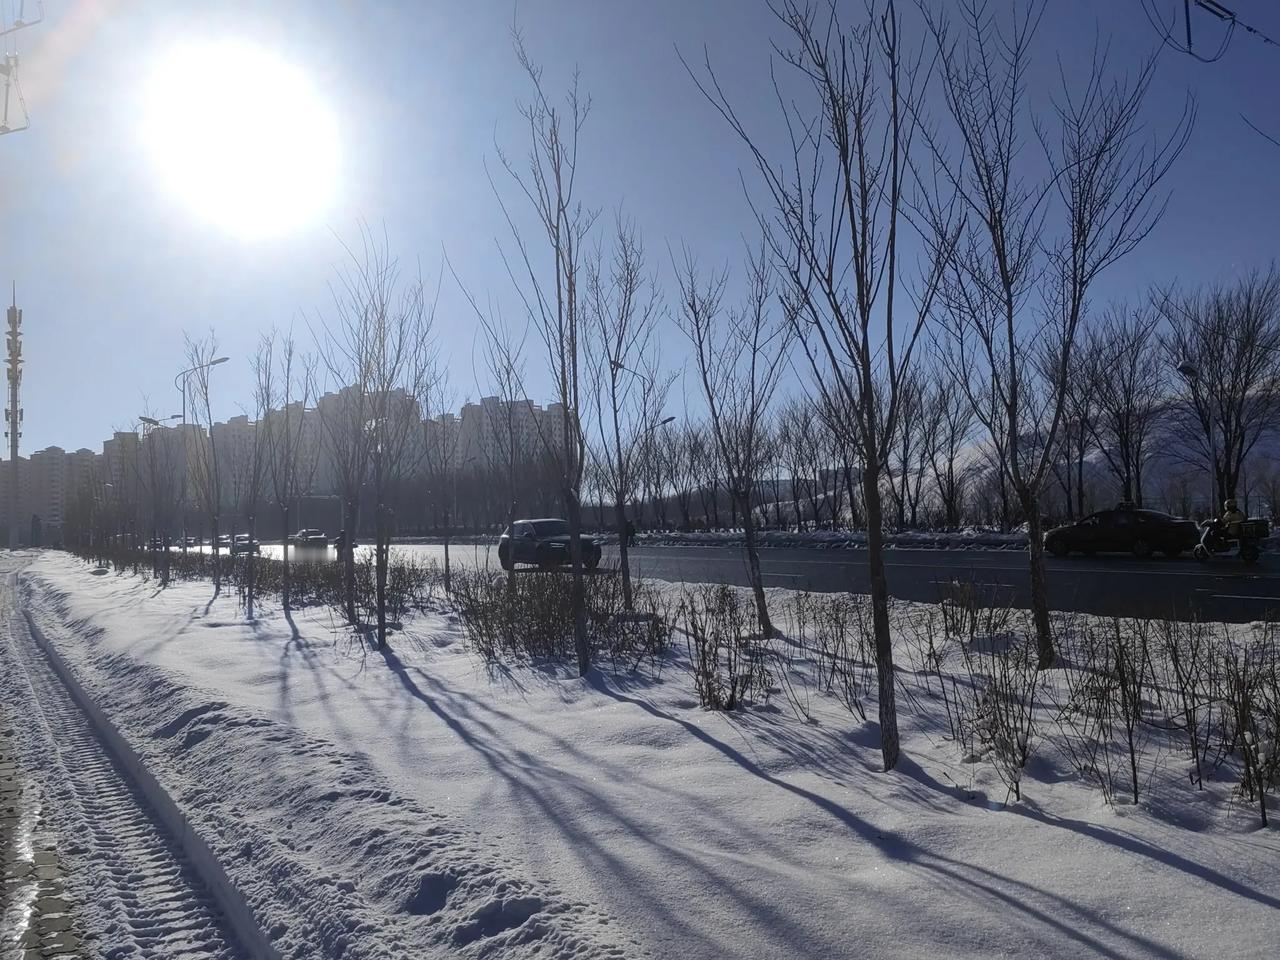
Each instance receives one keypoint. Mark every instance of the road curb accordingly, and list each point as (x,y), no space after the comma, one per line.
(237,911)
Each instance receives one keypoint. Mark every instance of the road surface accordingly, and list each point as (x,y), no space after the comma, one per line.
(1224,589)
(1110,586)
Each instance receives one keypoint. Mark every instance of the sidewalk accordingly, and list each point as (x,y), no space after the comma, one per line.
(37,916)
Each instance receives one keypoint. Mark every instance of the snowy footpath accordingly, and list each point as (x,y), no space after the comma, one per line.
(411,804)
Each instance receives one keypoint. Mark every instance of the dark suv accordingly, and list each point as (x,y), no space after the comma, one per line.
(1127,530)
(544,543)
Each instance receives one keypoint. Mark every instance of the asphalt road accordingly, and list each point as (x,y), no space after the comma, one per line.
(1224,589)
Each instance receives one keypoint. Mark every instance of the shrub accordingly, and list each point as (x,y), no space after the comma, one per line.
(527,616)
(729,662)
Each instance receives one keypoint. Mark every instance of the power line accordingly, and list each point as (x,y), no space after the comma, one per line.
(1222,13)
(1214,9)
(1165,30)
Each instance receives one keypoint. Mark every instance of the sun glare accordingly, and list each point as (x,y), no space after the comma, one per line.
(242,137)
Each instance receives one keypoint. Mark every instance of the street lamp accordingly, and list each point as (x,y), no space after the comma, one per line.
(661,423)
(152,422)
(180,381)
(617,366)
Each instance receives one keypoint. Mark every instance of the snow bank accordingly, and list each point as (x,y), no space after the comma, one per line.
(332,861)
(413,804)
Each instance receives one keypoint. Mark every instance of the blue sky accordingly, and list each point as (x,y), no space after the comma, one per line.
(111,270)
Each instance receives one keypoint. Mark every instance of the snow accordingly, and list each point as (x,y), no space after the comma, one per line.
(414,804)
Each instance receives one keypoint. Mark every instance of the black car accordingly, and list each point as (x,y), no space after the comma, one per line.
(545,543)
(1140,532)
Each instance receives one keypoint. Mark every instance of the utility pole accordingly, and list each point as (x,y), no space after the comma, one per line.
(11,96)
(13,413)
(10,88)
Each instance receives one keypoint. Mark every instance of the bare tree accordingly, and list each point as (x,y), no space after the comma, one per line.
(949,434)
(257,462)
(203,460)
(740,355)
(681,450)
(547,180)
(285,382)
(506,450)
(838,209)
(1015,299)
(623,307)
(378,349)
(441,436)
(161,479)
(908,455)
(1226,342)
(1077,429)
(1128,376)
(402,375)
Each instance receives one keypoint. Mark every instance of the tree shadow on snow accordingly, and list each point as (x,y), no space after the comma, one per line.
(960,876)
(1142,848)
(554,787)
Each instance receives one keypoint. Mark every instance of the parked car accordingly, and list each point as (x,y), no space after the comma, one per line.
(243,543)
(544,543)
(224,541)
(309,537)
(155,543)
(1124,530)
(190,541)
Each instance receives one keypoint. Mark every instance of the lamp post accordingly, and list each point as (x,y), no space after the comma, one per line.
(180,381)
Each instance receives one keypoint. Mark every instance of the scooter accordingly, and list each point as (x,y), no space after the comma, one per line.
(1214,539)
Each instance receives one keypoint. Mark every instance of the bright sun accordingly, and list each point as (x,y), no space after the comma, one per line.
(242,137)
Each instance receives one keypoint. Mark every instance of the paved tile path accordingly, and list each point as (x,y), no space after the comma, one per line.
(38,920)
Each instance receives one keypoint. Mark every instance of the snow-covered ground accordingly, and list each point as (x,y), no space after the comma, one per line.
(410,803)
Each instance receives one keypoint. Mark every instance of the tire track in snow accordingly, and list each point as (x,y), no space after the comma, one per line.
(141,897)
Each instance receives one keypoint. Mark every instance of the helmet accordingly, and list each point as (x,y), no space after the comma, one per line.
(1229,505)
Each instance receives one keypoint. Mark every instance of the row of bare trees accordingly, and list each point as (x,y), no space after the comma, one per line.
(892,226)
(915,207)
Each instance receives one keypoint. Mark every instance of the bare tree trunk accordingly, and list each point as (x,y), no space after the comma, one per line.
(620,518)
(743,501)
(1039,586)
(887,695)
(285,592)
(580,642)
(251,578)
(349,559)
(448,531)
(382,556)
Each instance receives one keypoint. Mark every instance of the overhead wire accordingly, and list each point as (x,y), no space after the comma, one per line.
(1222,13)
(1217,10)
(1165,32)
